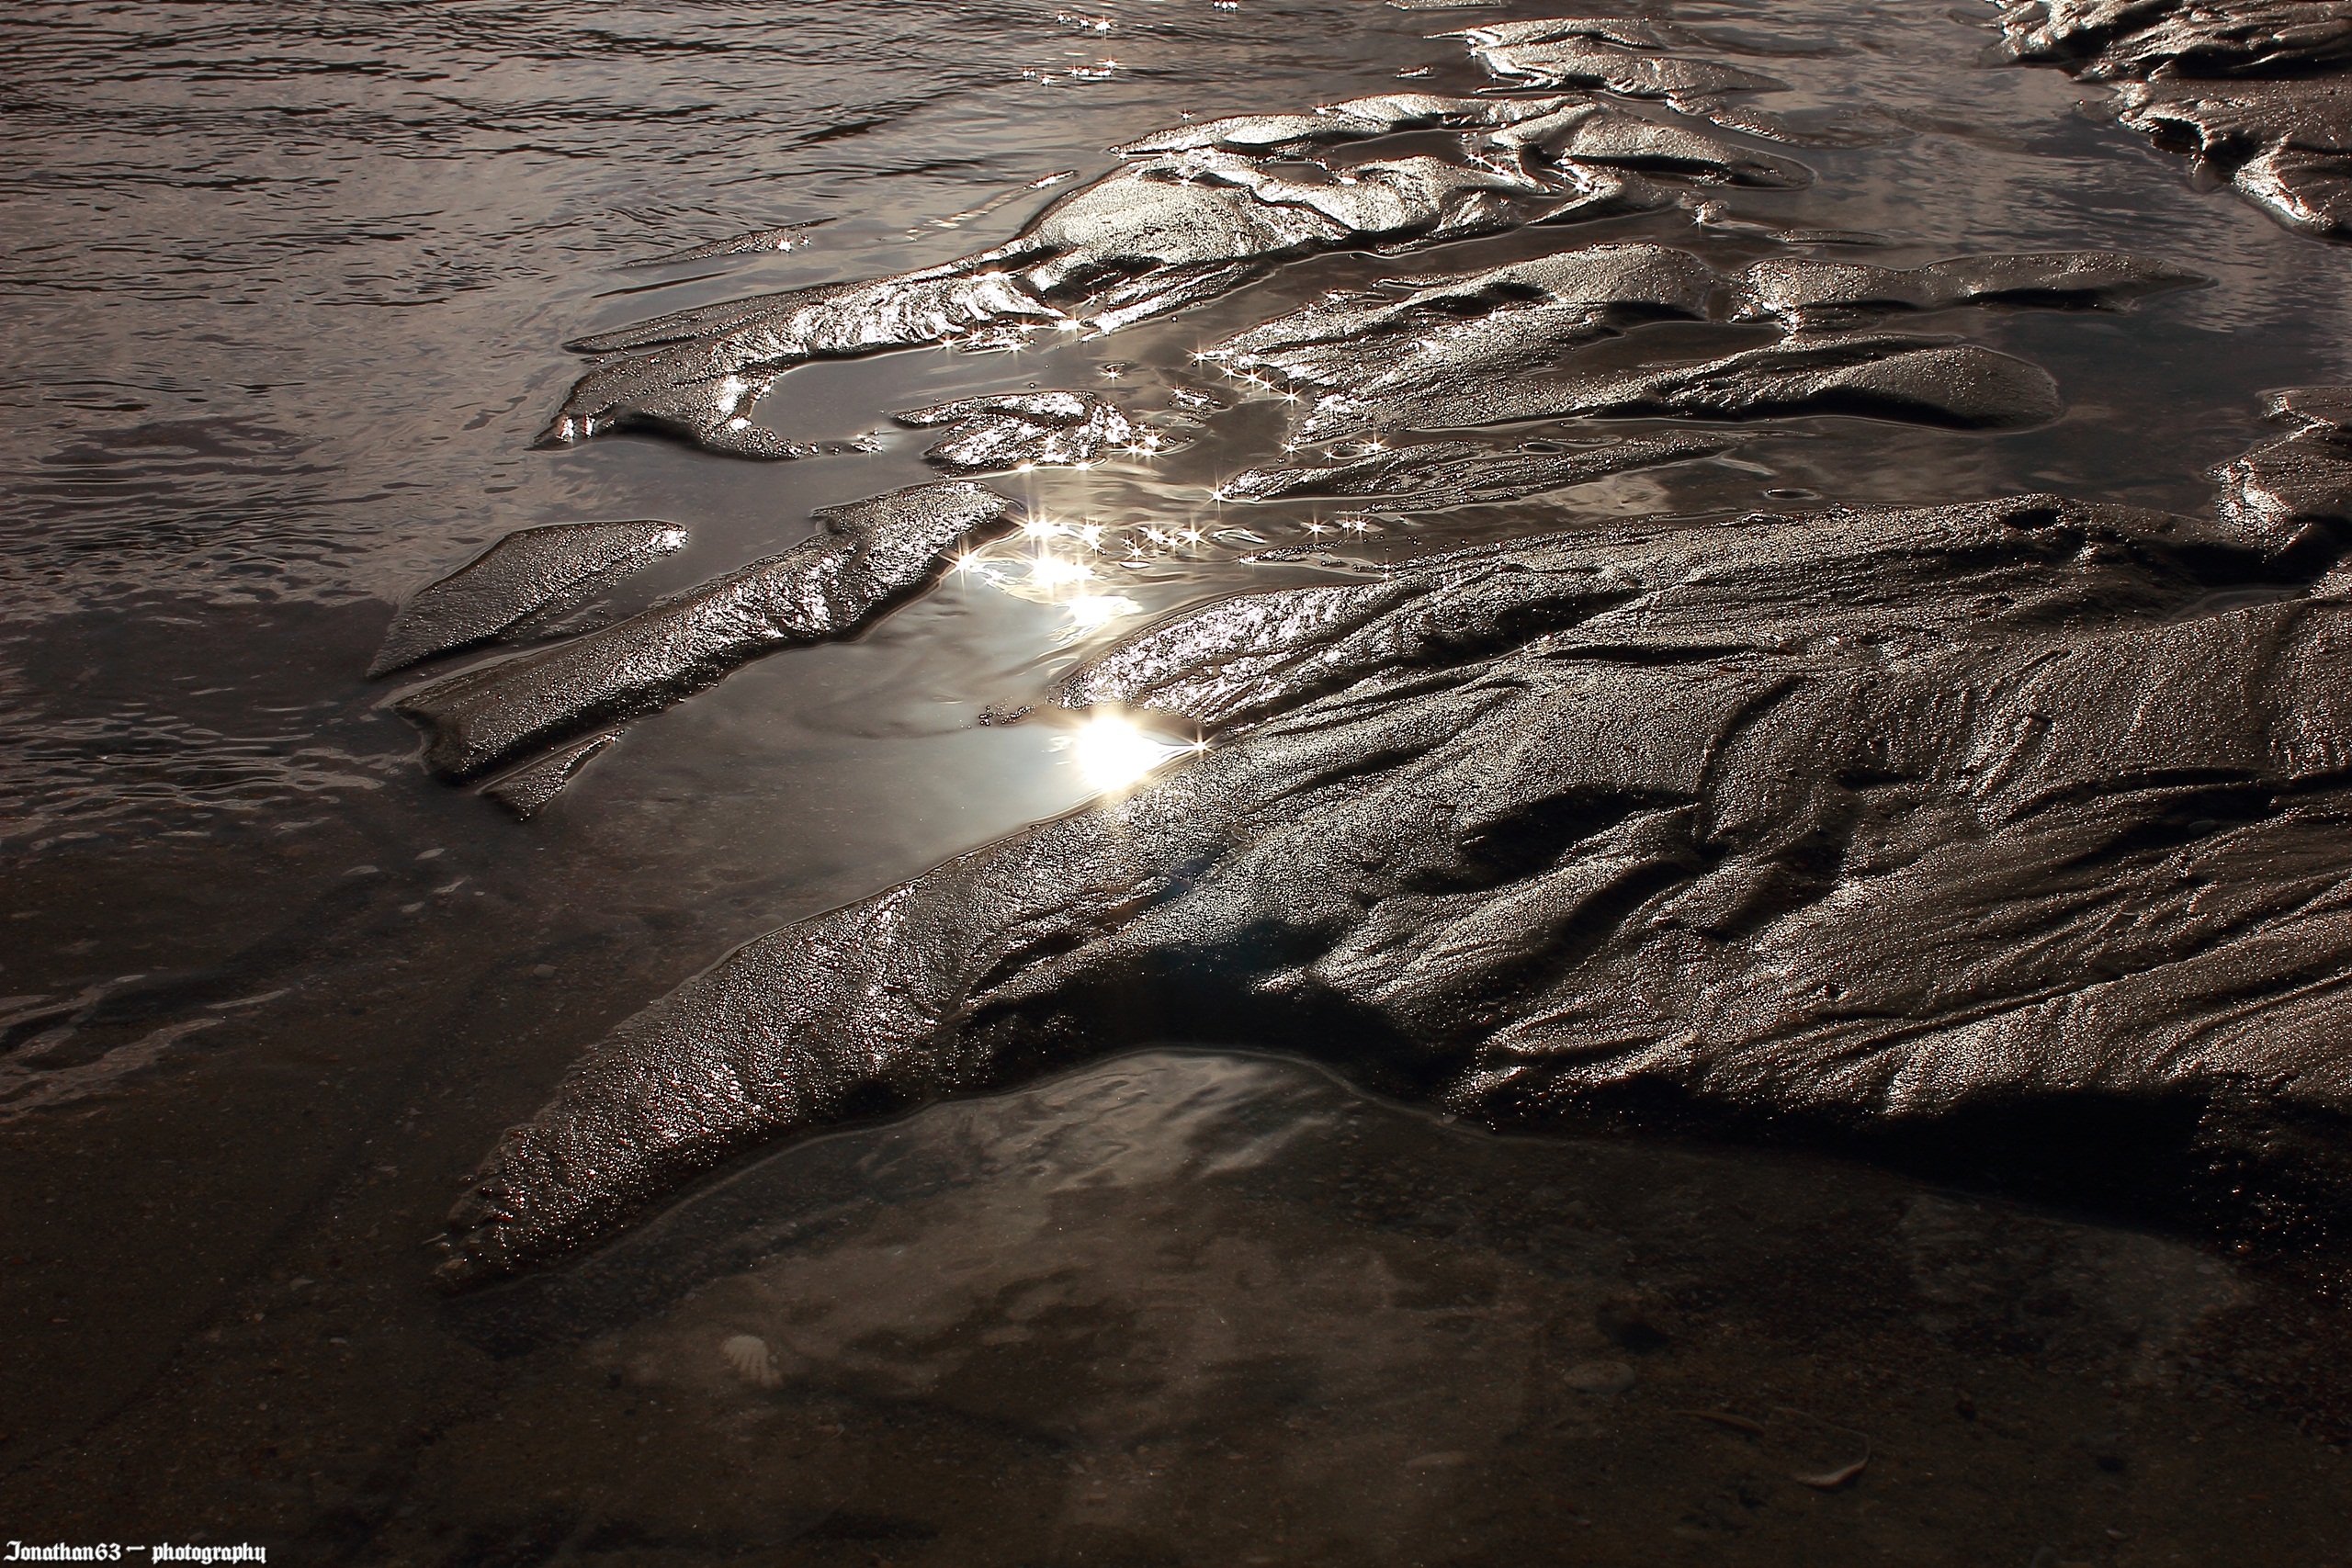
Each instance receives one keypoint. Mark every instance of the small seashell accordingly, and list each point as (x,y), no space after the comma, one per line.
(1598,1377)
(748,1355)
(1830,1480)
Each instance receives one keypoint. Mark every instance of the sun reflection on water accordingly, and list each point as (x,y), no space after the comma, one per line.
(1059,571)
(1112,754)
(1091,612)
(1061,563)
(1074,566)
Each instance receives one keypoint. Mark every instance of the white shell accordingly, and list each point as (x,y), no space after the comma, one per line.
(748,1355)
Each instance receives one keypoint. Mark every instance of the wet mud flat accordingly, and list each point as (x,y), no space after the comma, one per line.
(1571,793)
(1187,1306)
(1016,1329)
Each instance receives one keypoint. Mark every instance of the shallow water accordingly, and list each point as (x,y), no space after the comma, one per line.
(286,293)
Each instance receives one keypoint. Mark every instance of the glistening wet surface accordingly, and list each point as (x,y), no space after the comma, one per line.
(288,295)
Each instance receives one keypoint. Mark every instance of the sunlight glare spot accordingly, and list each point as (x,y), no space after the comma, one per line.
(1053,571)
(1091,612)
(1113,753)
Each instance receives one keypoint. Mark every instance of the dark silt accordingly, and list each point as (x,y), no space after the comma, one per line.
(1179,781)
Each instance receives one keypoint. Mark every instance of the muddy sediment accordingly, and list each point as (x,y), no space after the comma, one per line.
(1028,429)
(1995,842)
(865,556)
(1868,821)
(1898,825)
(528,577)
(2254,88)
